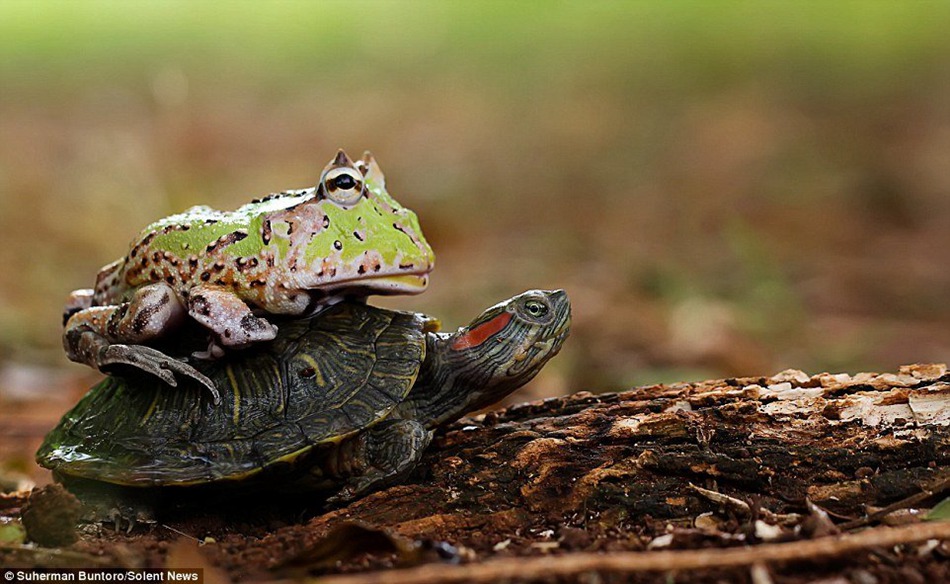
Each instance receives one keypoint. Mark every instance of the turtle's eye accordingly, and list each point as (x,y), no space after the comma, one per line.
(536,308)
(343,185)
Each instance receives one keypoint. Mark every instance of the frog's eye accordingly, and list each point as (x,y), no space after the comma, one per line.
(344,185)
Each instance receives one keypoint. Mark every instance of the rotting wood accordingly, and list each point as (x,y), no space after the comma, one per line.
(628,469)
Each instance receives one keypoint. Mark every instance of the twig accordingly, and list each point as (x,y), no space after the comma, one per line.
(535,568)
(935,489)
(179,532)
(742,506)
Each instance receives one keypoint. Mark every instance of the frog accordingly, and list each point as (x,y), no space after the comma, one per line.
(287,254)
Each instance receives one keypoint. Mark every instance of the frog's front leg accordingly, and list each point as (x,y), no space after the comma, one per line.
(107,336)
(229,317)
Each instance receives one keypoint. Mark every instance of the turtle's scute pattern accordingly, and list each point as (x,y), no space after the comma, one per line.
(321,380)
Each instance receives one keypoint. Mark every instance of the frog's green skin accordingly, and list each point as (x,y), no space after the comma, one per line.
(287,254)
(345,401)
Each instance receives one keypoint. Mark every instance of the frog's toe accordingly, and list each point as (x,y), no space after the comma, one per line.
(188,371)
(156,363)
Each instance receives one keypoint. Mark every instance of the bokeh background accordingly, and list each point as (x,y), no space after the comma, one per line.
(723,188)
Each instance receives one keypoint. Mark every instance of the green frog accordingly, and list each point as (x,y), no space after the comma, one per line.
(291,253)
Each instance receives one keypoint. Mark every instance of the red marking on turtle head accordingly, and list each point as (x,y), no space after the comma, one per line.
(481,333)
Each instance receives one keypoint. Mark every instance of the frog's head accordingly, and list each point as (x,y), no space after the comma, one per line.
(364,241)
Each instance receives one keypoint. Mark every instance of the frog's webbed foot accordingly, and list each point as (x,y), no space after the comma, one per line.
(89,347)
(155,362)
(108,336)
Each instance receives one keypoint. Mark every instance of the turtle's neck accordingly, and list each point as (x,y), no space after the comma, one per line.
(452,383)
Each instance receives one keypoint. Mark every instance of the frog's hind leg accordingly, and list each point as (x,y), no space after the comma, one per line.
(107,336)
(228,317)
(153,311)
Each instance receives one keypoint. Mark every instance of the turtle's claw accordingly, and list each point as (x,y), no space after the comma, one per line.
(342,497)
(156,363)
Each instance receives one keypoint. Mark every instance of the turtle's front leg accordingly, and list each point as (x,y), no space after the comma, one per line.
(381,456)
(107,336)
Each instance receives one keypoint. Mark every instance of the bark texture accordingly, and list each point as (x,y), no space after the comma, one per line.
(615,472)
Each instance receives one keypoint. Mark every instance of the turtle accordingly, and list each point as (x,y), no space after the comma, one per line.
(342,403)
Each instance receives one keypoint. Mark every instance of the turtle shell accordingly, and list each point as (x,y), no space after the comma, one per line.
(321,380)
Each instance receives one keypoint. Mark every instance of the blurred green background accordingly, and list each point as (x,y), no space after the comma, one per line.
(723,188)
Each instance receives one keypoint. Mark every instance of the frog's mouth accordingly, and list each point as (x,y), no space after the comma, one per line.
(399,283)
(386,284)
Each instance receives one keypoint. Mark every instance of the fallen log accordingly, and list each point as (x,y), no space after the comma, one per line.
(713,464)
(802,477)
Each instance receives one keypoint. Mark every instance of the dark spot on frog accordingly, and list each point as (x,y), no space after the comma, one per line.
(361,270)
(406,266)
(258,282)
(251,323)
(134,252)
(193,262)
(170,279)
(245,263)
(199,304)
(217,266)
(269,197)
(153,275)
(205,276)
(307,372)
(210,221)
(338,245)
(376,267)
(227,333)
(156,256)
(226,240)
(266,232)
(326,221)
(143,317)
(357,235)
(112,325)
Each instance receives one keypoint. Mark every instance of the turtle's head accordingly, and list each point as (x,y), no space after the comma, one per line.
(497,353)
